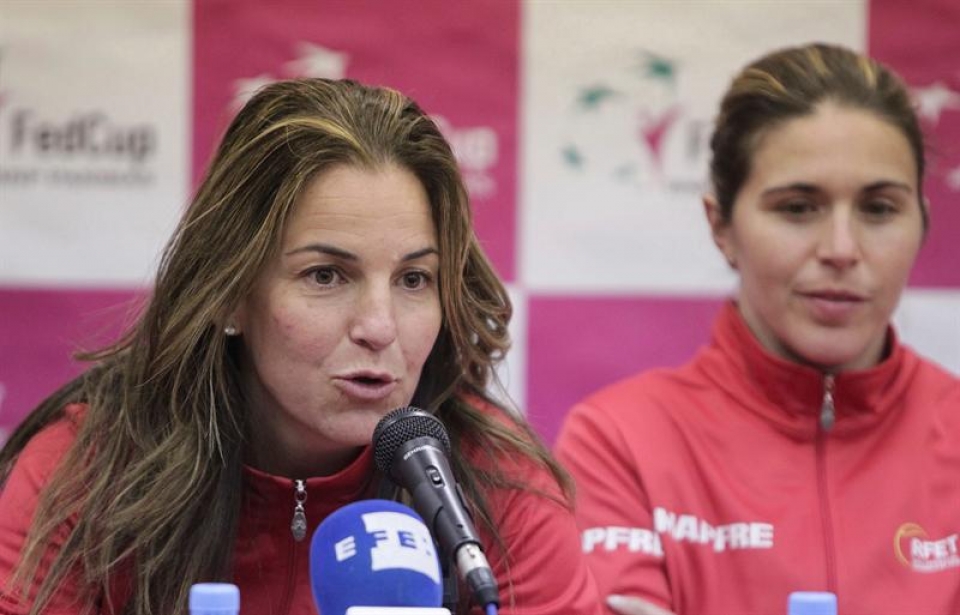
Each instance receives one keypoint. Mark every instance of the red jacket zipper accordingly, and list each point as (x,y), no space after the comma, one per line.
(298,531)
(824,425)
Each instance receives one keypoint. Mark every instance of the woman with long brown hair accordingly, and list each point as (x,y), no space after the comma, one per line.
(326,273)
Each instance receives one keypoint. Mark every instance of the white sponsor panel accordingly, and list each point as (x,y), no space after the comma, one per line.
(929,321)
(618,102)
(94,114)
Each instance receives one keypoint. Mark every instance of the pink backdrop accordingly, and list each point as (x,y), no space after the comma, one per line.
(492,72)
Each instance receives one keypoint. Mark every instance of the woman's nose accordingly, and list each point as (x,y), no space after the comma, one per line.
(374,323)
(839,241)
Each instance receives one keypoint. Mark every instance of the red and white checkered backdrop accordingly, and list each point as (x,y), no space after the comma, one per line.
(580,125)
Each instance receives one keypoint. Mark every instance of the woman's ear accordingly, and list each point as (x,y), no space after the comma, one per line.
(719,229)
(231,325)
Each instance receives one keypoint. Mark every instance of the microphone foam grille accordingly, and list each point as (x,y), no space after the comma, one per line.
(401,426)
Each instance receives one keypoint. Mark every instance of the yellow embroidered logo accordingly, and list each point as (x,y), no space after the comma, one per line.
(916,551)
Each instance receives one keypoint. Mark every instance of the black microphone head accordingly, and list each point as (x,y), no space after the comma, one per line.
(401,426)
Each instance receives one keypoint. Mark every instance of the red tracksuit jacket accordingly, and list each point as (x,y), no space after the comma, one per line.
(545,573)
(715,489)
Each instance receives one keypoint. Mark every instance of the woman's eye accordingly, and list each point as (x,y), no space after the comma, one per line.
(797,208)
(879,208)
(325,276)
(414,280)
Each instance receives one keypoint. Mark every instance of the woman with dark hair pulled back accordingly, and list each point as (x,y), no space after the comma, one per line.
(804,448)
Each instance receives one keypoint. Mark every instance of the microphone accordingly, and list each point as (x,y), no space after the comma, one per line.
(412,447)
(371,555)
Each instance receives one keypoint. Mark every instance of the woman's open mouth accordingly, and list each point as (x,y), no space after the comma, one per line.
(366,386)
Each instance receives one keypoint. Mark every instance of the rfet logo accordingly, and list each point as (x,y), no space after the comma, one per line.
(915,550)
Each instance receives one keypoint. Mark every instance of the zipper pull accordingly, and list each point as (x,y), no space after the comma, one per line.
(299,524)
(828,415)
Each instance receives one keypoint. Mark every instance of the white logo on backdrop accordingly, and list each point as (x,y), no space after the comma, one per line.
(635,129)
(312,61)
(953,179)
(81,148)
(317,61)
(85,148)
(934,99)
(477,148)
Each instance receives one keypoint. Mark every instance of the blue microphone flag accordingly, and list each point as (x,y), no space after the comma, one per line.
(374,553)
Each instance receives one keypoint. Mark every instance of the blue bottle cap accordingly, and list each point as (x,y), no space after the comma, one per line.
(215,598)
(812,603)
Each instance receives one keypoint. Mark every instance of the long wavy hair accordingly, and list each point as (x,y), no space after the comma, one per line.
(158,458)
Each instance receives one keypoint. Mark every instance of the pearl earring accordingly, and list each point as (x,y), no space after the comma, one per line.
(230,331)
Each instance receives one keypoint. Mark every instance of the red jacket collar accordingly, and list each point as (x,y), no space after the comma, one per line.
(324,493)
(791,394)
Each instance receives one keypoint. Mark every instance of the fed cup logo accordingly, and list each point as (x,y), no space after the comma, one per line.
(399,542)
(915,550)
